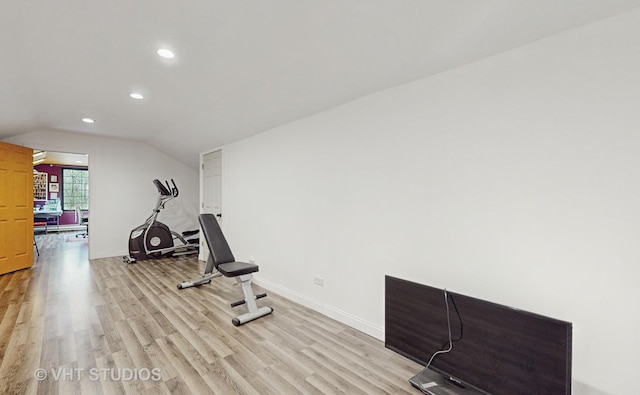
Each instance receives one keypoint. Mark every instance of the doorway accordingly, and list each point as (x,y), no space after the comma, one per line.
(61,200)
(211,191)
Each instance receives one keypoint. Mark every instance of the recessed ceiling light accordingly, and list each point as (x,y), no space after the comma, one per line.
(78,161)
(88,120)
(165,53)
(136,95)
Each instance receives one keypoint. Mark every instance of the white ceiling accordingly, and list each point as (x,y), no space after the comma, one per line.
(62,158)
(242,67)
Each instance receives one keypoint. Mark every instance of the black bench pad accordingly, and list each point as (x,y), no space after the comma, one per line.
(233,269)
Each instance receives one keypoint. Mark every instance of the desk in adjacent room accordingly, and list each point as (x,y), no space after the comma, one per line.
(48,213)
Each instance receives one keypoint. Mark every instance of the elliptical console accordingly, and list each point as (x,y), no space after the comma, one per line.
(153,239)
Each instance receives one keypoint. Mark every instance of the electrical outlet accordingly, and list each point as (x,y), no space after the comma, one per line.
(318,281)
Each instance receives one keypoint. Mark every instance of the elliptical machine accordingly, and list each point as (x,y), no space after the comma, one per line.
(153,239)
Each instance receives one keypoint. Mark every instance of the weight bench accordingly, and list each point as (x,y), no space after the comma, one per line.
(221,258)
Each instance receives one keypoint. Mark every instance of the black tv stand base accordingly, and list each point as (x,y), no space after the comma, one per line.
(431,383)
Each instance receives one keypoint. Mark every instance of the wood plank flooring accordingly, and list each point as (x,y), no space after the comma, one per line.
(105,327)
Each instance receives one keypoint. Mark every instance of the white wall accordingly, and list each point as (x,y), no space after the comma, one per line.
(122,194)
(515,179)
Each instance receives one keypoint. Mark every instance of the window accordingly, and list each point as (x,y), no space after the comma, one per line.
(75,189)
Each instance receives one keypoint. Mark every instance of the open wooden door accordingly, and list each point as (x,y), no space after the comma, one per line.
(16,207)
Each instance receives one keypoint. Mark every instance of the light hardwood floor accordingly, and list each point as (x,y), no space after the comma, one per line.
(93,326)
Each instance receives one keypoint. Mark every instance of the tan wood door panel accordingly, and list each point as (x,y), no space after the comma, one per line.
(16,207)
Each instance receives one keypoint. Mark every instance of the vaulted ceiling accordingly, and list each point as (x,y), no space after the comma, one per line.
(241,67)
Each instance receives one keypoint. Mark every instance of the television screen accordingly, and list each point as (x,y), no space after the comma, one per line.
(415,319)
(496,349)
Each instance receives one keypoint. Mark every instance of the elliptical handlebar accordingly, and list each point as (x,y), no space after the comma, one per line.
(162,190)
(169,190)
(174,189)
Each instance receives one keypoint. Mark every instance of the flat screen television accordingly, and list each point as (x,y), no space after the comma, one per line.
(496,349)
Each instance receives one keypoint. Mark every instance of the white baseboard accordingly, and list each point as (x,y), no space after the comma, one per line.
(111,254)
(330,311)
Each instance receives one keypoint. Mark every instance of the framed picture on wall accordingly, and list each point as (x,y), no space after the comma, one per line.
(54,178)
(53,187)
